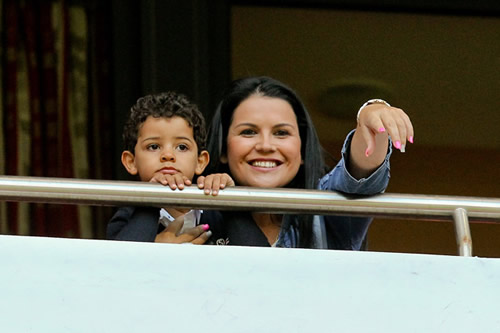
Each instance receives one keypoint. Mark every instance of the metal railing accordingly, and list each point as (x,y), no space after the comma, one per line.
(461,210)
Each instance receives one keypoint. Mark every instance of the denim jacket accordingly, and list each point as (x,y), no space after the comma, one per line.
(343,232)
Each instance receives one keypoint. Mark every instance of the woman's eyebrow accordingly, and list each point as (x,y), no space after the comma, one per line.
(255,125)
(284,124)
(245,124)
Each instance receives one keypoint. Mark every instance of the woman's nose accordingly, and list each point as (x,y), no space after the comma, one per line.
(265,143)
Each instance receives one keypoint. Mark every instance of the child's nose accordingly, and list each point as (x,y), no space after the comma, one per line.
(167,155)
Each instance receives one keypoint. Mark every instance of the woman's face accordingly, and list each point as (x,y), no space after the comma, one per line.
(263,143)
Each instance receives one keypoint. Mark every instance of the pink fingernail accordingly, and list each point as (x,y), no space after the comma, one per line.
(397,144)
(206,227)
(410,139)
(381,130)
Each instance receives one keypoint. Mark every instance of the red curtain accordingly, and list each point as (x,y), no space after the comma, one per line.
(55,108)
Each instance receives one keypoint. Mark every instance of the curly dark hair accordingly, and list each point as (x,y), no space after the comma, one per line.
(166,105)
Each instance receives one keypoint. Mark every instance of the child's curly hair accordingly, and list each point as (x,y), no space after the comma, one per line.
(166,105)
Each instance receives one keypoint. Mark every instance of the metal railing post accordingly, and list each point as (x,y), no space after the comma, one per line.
(462,232)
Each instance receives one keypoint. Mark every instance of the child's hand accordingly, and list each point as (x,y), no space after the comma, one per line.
(197,235)
(174,181)
(214,182)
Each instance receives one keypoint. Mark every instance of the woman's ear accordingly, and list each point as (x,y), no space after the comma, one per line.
(203,159)
(128,161)
(223,159)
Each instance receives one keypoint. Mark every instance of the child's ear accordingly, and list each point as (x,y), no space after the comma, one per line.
(203,159)
(128,161)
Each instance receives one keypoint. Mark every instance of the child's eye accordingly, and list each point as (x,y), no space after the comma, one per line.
(183,147)
(153,146)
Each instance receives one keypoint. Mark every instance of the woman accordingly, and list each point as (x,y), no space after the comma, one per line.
(262,135)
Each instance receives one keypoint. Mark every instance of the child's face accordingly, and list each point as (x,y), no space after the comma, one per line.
(165,145)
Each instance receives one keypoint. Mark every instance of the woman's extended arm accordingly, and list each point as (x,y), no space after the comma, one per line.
(369,145)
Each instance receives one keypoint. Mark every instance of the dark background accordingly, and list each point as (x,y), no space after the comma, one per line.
(196,48)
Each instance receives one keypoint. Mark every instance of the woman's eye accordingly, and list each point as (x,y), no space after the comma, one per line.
(281,132)
(153,146)
(247,131)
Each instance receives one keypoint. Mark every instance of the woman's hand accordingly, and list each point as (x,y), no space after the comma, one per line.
(197,235)
(369,145)
(380,118)
(214,182)
(174,181)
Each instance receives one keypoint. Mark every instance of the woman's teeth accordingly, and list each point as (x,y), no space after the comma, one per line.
(264,164)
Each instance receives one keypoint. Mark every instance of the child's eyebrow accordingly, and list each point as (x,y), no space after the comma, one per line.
(184,138)
(151,138)
(155,138)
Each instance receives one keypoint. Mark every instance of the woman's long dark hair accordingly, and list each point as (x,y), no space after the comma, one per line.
(313,167)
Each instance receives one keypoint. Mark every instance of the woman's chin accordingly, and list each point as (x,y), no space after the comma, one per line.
(272,183)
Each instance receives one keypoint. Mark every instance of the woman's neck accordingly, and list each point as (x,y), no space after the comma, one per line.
(269,224)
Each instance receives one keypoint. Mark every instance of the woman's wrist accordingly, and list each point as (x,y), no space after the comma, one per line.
(371,101)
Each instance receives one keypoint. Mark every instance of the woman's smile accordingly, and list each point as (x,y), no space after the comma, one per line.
(264,164)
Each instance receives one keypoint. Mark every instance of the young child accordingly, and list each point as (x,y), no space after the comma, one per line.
(165,142)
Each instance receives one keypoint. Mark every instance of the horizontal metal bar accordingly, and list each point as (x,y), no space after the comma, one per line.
(116,193)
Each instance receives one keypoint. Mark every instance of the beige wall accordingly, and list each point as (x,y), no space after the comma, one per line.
(443,70)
